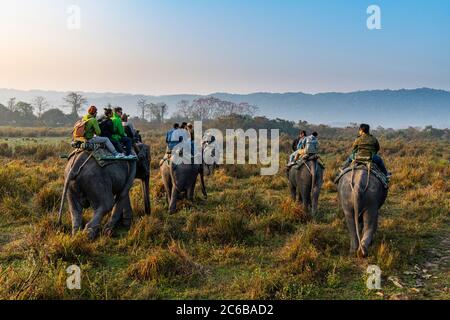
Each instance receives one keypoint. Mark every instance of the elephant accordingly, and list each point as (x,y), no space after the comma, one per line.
(361,196)
(181,178)
(104,189)
(305,184)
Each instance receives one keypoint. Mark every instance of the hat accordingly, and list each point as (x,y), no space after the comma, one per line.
(92,110)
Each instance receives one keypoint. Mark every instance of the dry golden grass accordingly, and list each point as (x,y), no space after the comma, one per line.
(248,240)
(166,263)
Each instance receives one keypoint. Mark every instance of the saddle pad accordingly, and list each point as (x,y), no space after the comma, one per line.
(374,170)
(102,156)
(299,163)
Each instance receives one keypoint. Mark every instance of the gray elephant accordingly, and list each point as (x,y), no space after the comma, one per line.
(104,189)
(305,183)
(179,179)
(361,196)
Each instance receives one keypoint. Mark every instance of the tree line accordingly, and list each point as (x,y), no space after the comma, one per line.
(214,113)
(38,112)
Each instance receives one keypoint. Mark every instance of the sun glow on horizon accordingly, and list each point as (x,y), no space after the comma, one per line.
(164,47)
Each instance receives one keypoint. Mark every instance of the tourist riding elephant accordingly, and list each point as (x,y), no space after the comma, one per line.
(181,178)
(104,189)
(361,197)
(305,184)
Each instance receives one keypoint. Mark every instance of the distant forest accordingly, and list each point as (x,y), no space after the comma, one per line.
(214,113)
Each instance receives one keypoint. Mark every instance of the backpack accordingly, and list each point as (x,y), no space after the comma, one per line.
(106,127)
(311,145)
(169,136)
(79,130)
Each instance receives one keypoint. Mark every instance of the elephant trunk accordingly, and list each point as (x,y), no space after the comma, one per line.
(129,183)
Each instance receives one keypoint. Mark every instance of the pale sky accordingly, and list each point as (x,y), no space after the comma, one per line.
(237,46)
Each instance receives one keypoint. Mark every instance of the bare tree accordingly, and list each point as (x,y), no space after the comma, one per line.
(203,108)
(76,102)
(158,111)
(245,108)
(40,105)
(211,108)
(184,109)
(142,107)
(12,104)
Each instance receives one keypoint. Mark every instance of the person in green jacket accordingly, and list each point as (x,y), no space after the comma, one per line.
(92,132)
(118,134)
(366,146)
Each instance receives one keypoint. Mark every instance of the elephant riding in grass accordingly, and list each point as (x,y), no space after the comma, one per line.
(181,168)
(361,194)
(104,188)
(305,182)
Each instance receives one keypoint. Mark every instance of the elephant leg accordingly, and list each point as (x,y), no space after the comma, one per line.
(115,218)
(370,219)
(293,191)
(127,217)
(173,200)
(122,211)
(316,193)
(307,201)
(167,182)
(351,226)
(76,211)
(168,187)
(315,200)
(299,197)
(93,226)
(190,193)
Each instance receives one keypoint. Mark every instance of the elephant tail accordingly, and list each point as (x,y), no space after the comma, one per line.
(66,184)
(357,194)
(70,176)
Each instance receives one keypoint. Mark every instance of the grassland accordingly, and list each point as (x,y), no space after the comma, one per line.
(247,241)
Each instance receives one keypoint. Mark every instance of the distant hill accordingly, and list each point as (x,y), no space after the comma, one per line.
(388,108)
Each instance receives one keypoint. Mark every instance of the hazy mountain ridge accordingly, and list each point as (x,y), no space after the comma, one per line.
(389,108)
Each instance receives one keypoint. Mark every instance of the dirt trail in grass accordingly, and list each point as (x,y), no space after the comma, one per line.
(430,279)
(438,268)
